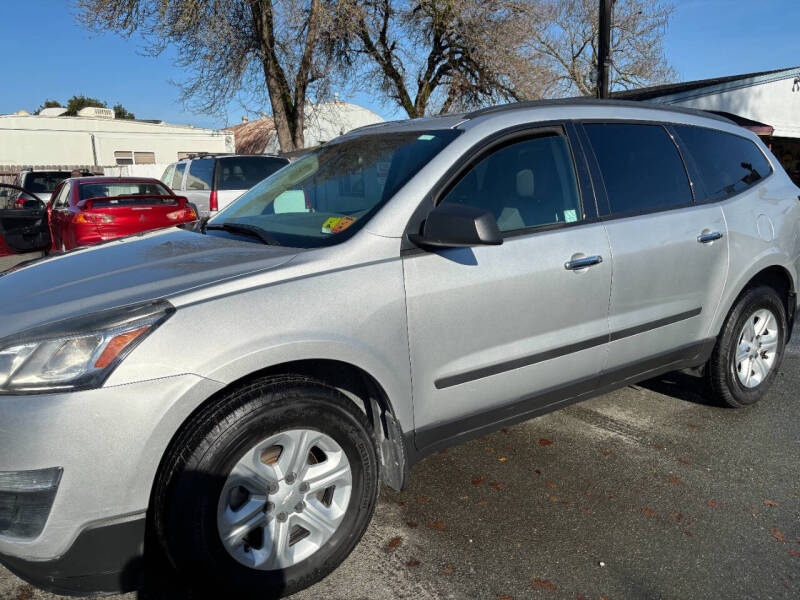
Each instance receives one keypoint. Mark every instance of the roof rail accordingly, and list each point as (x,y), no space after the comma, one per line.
(582,101)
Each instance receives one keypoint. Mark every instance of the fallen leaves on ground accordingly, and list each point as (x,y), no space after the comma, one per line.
(554,499)
(413,563)
(712,504)
(550,484)
(649,512)
(423,499)
(686,461)
(447,570)
(770,503)
(794,552)
(658,446)
(395,543)
(676,515)
(776,533)
(545,442)
(586,511)
(674,480)
(504,597)
(436,525)
(606,452)
(502,459)
(412,524)
(478,481)
(497,485)
(542,584)
(490,450)
(483,503)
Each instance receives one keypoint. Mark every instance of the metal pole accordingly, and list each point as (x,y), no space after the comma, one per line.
(604,48)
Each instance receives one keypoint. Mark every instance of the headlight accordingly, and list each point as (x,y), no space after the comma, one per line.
(77,353)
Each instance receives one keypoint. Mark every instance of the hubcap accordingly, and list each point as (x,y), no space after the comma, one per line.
(284,499)
(757,347)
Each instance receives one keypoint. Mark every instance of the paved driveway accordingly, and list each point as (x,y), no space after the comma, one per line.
(644,493)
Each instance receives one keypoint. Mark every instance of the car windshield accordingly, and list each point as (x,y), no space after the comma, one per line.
(126,188)
(327,195)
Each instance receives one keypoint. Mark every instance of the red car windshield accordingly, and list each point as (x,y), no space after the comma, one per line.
(126,188)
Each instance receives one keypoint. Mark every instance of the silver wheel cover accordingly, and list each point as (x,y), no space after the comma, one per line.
(284,499)
(756,349)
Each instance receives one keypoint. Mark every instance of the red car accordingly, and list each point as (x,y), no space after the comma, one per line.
(87,210)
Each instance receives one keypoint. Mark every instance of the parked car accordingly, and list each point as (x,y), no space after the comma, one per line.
(238,389)
(213,181)
(40,183)
(88,210)
(24,231)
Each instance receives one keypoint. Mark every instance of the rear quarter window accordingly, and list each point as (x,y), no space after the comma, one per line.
(728,163)
(243,172)
(201,174)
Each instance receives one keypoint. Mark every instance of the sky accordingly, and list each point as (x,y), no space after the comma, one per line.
(48,56)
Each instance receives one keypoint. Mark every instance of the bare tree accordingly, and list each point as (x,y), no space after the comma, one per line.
(566,37)
(434,56)
(232,47)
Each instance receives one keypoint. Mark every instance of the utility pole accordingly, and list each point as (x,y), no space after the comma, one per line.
(604,48)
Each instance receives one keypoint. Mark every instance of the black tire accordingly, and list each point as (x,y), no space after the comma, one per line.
(721,371)
(194,471)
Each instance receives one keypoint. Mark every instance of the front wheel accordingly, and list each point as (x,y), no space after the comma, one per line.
(269,490)
(750,348)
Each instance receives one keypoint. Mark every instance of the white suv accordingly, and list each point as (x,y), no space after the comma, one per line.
(212,182)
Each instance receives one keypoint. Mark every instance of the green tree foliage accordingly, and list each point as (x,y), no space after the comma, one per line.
(48,104)
(120,112)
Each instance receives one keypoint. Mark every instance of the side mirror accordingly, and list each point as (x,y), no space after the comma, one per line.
(458,225)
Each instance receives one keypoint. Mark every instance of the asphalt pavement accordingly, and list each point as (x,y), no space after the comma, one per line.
(648,492)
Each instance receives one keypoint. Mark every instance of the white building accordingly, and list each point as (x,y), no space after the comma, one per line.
(767,103)
(96,139)
(323,122)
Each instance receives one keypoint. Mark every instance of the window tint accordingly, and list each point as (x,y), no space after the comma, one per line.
(243,172)
(201,174)
(728,163)
(44,182)
(177,178)
(110,190)
(62,200)
(641,167)
(523,185)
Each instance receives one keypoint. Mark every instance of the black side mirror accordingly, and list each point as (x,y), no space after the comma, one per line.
(458,225)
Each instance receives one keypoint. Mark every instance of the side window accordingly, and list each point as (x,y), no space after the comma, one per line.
(728,163)
(177,178)
(525,184)
(62,200)
(201,174)
(642,169)
(167,176)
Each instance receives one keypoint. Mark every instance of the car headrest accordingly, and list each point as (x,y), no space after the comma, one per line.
(525,183)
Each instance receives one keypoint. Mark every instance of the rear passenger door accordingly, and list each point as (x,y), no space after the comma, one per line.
(497,332)
(670,254)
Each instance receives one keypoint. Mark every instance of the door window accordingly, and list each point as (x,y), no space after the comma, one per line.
(177,178)
(524,184)
(62,200)
(167,176)
(642,169)
(728,163)
(201,174)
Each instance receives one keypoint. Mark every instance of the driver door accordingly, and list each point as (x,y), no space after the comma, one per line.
(25,229)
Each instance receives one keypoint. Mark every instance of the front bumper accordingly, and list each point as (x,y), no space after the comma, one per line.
(109,443)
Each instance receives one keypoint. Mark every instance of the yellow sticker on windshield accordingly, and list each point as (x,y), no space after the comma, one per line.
(329,224)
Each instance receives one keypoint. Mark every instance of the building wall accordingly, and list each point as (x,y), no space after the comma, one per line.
(776,103)
(35,140)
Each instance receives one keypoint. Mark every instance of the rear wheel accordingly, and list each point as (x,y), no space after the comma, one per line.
(750,348)
(268,491)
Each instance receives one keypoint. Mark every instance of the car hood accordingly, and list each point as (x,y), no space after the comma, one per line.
(125,271)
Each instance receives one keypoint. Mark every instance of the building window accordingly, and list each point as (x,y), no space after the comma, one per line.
(123,158)
(126,157)
(144,158)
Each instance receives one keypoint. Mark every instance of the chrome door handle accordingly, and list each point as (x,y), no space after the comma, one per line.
(582,263)
(705,238)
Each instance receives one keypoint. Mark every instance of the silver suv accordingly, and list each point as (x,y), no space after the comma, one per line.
(233,394)
(211,182)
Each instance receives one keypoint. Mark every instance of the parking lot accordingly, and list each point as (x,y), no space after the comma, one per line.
(644,493)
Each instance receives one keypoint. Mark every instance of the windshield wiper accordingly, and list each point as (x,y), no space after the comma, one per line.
(244,229)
